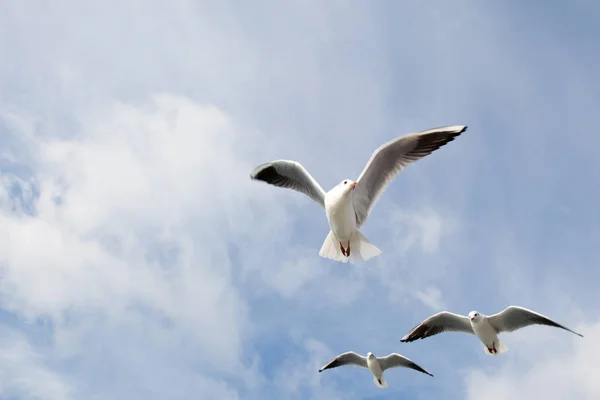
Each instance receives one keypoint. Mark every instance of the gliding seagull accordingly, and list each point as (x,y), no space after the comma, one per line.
(374,364)
(348,204)
(484,327)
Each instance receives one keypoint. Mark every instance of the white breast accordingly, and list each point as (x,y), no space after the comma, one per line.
(375,367)
(485,332)
(341,216)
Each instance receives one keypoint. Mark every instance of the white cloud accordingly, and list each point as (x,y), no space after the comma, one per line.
(292,275)
(550,364)
(423,228)
(418,243)
(23,372)
(134,182)
(431,296)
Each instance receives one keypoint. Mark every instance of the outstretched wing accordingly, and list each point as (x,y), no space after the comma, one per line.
(396,360)
(389,159)
(441,322)
(290,175)
(513,318)
(349,358)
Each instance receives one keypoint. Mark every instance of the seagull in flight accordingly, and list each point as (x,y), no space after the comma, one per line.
(349,203)
(486,328)
(375,364)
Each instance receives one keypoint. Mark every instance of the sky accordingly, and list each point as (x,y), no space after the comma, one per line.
(139,261)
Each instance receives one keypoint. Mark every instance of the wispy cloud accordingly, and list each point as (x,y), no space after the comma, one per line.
(26,374)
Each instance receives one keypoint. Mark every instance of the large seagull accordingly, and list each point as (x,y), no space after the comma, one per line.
(348,204)
(484,327)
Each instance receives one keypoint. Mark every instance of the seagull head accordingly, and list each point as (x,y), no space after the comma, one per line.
(348,185)
(343,190)
(474,316)
(370,355)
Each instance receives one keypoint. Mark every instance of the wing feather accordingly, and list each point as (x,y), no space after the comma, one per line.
(395,360)
(512,318)
(441,322)
(290,175)
(349,358)
(389,159)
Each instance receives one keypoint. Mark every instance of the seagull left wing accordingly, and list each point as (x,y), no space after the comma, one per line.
(513,318)
(389,159)
(395,360)
(441,322)
(349,358)
(290,175)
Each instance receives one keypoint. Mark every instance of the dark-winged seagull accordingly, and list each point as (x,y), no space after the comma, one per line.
(484,327)
(375,364)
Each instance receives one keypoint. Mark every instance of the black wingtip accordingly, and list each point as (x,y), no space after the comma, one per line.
(446,128)
(264,172)
(458,133)
(420,369)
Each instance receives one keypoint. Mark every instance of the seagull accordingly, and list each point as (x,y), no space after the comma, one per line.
(374,364)
(486,328)
(349,203)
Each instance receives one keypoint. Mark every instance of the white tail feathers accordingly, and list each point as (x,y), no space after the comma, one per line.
(499,346)
(331,249)
(380,382)
(360,249)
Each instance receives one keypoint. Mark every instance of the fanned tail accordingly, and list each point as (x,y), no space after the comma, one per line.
(331,249)
(360,249)
(380,382)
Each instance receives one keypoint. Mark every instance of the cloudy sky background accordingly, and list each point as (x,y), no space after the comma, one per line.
(138,260)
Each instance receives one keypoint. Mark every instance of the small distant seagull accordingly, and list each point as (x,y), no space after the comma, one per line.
(374,364)
(486,328)
(349,203)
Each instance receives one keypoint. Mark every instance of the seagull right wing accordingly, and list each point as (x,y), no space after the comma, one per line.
(397,360)
(441,322)
(290,175)
(513,318)
(390,158)
(349,358)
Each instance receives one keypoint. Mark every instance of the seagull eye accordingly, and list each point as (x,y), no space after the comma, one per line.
(345,182)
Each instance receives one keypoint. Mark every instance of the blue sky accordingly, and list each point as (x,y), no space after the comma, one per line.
(138,260)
